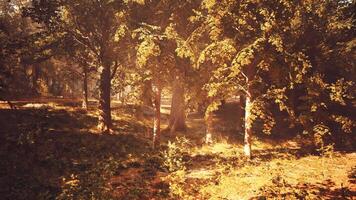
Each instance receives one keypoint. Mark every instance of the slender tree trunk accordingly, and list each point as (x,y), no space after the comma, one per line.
(177,115)
(35,76)
(240,114)
(248,123)
(104,124)
(201,108)
(209,128)
(157,115)
(85,87)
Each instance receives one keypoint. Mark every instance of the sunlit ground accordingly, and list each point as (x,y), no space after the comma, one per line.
(219,171)
(63,144)
(279,177)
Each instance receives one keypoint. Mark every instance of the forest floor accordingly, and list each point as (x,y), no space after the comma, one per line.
(50,149)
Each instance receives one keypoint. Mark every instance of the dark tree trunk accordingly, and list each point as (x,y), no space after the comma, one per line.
(177,115)
(157,115)
(146,95)
(104,99)
(35,75)
(201,107)
(223,102)
(85,87)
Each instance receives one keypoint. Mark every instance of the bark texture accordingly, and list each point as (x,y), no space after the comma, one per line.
(157,115)
(248,124)
(34,76)
(146,95)
(177,115)
(209,128)
(85,88)
(104,99)
(249,98)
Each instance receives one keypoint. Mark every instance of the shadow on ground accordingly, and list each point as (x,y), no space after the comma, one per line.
(39,147)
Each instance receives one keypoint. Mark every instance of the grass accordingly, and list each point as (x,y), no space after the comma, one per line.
(318,176)
(280,169)
(219,171)
(43,146)
(52,150)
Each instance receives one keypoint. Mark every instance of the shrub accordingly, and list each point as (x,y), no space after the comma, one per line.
(173,161)
(91,184)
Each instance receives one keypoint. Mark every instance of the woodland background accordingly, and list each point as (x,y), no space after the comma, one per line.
(183,99)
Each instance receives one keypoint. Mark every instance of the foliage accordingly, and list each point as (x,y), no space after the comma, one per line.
(290,63)
(173,161)
(173,156)
(42,145)
(321,132)
(277,51)
(281,189)
(91,184)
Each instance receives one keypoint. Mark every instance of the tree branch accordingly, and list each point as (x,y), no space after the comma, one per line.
(115,69)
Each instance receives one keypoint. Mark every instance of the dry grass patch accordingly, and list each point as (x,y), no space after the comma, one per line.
(310,175)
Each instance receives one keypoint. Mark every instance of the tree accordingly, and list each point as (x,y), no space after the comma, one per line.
(83,58)
(96,25)
(24,47)
(173,20)
(326,88)
(266,40)
(177,114)
(150,61)
(181,32)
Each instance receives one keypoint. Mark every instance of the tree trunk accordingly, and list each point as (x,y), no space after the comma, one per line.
(146,95)
(177,115)
(85,88)
(209,128)
(35,75)
(201,107)
(104,124)
(248,123)
(157,115)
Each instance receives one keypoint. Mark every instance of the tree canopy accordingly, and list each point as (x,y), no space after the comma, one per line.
(270,69)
